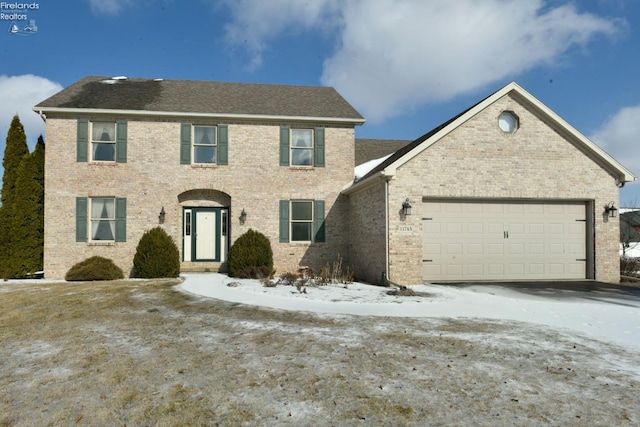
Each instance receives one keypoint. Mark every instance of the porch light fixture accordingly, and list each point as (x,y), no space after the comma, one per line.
(243,216)
(610,210)
(406,208)
(161,216)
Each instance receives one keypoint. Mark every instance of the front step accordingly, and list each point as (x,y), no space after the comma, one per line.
(203,267)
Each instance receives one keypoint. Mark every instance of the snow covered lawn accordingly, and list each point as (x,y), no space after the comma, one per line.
(150,353)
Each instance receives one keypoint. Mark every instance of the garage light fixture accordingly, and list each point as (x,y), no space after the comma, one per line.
(406,208)
(610,210)
(243,216)
(161,216)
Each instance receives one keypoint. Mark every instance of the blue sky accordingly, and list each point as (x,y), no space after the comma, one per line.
(406,65)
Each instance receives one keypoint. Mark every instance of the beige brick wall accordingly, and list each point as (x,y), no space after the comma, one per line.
(477,160)
(153,178)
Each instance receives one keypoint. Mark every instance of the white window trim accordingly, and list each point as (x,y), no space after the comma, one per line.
(292,221)
(112,221)
(193,144)
(92,141)
(293,148)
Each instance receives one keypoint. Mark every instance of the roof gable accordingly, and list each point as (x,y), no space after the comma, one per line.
(405,154)
(200,98)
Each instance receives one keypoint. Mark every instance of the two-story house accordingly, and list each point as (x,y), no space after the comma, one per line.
(205,160)
(505,190)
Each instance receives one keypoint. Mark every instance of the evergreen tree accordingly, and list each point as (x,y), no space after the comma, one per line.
(27,229)
(15,149)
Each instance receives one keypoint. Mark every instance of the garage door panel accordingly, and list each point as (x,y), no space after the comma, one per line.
(504,241)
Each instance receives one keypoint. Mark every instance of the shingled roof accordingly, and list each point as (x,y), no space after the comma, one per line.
(201,98)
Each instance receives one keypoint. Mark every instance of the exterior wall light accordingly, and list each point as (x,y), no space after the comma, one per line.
(610,210)
(406,208)
(161,216)
(243,216)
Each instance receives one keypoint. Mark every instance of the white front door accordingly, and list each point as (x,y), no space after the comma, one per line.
(205,234)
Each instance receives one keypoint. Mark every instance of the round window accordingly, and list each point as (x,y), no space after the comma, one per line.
(508,122)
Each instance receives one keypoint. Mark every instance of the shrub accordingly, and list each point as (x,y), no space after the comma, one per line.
(94,268)
(251,256)
(629,266)
(156,255)
(335,273)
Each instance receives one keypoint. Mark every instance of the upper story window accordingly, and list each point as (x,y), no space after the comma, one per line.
(508,122)
(204,145)
(103,141)
(302,147)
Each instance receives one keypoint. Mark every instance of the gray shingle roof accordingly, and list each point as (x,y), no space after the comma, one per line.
(369,149)
(202,97)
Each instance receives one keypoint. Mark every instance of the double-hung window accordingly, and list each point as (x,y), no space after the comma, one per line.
(203,145)
(101,141)
(301,147)
(101,219)
(302,221)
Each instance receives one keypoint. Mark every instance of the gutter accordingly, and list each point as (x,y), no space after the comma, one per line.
(266,117)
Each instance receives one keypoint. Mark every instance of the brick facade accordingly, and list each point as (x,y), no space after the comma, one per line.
(479,161)
(153,178)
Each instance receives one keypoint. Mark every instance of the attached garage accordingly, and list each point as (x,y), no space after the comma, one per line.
(467,240)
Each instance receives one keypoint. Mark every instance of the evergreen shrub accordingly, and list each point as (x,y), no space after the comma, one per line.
(251,256)
(94,268)
(156,256)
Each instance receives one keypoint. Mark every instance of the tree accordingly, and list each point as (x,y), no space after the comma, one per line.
(15,150)
(27,227)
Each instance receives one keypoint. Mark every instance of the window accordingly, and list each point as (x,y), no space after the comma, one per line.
(101,219)
(302,147)
(302,221)
(101,141)
(203,145)
(508,122)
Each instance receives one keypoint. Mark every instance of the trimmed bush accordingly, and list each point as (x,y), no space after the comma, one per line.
(94,268)
(251,256)
(156,256)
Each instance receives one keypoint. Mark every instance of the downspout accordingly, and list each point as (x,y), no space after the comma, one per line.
(386,232)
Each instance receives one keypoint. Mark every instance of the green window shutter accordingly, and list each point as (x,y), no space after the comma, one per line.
(318,220)
(223,144)
(284,221)
(319,148)
(284,146)
(81,219)
(185,143)
(121,219)
(82,142)
(121,141)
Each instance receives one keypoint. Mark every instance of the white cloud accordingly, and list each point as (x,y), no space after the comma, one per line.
(19,95)
(108,7)
(619,136)
(395,55)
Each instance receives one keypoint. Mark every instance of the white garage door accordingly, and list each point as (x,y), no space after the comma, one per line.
(465,241)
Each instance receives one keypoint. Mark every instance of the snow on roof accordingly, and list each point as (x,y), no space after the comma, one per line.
(366,167)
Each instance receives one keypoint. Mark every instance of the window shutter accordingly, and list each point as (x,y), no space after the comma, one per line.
(121,219)
(121,141)
(284,221)
(318,220)
(284,146)
(223,144)
(185,143)
(81,219)
(319,148)
(82,141)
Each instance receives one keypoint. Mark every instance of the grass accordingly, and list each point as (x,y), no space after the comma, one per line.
(143,353)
